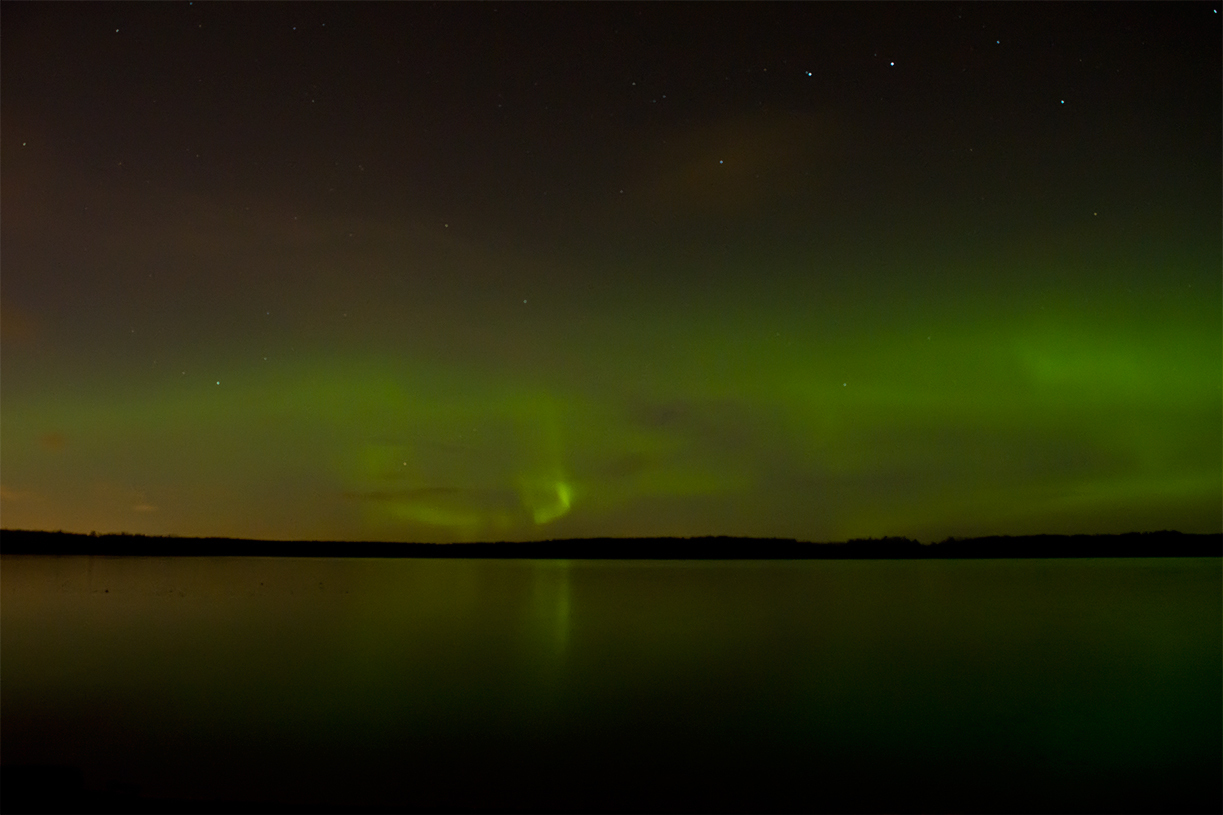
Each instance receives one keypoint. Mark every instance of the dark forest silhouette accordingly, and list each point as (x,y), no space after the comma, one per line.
(1133,544)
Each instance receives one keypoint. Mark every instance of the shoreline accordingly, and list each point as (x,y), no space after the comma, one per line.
(1128,545)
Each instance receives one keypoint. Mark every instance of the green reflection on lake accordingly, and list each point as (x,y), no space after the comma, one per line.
(1077,683)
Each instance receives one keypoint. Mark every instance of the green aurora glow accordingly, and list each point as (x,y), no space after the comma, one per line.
(1036,415)
(871,353)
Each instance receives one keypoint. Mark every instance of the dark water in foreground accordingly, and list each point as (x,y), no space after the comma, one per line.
(996,685)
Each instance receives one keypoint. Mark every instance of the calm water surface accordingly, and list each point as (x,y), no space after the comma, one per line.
(994,684)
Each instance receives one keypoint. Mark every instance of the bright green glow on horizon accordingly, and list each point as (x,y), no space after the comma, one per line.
(975,418)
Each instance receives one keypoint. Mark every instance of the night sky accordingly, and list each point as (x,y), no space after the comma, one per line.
(515,271)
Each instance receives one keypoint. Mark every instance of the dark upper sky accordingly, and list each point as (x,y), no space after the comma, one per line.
(458,271)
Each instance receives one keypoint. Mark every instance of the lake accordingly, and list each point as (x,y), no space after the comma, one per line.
(439,684)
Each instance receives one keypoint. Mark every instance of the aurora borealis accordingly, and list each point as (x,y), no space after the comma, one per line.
(512,272)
